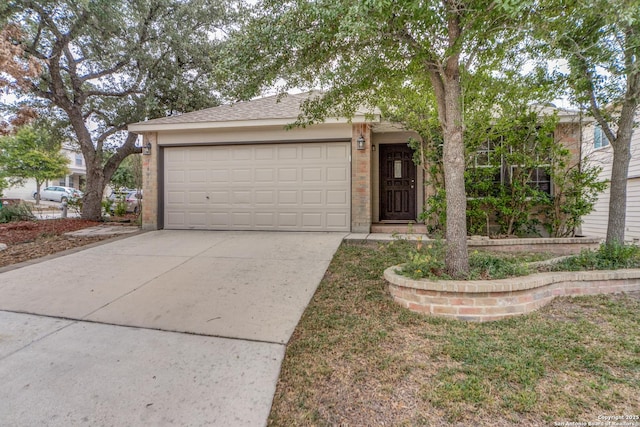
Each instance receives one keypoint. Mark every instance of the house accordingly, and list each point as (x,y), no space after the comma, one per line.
(75,179)
(235,167)
(597,151)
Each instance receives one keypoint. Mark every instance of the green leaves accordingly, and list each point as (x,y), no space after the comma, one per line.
(30,154)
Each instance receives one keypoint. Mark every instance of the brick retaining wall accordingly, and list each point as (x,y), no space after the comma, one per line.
(486,300)
(557,246)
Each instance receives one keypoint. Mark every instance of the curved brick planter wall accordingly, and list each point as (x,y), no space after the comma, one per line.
(484,300)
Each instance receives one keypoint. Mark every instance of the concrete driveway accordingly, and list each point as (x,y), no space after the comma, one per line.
(163,328)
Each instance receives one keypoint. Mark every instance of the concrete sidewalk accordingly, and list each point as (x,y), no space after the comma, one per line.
(112,348)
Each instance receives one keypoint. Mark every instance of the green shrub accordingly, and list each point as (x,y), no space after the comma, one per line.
(425,261)
(106,206)
(19,212)
(606,257)
(486,265)
(120,208)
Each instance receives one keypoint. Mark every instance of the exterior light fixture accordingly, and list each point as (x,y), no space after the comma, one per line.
(146,149)
(360,141)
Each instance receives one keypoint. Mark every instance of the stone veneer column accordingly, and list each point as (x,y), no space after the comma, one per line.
(360,180)
(150,183)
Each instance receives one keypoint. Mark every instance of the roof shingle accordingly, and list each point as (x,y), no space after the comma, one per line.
(287,107)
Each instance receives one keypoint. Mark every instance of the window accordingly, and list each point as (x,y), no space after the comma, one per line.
(486,173)
(79,159)
(486,154)
(539,177)
(599,138)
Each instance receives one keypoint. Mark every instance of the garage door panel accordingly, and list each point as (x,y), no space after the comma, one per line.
(337,198)
(241,175)
(288,175)
(197,198)
(218,220)
(312,220)
(241,219)
(303,186)
(313,152)
(264,176)
(312,174)
(337,221)
(175,176)
(241,153)
(265,197)
(312,197)
(338,152)
(197,176)
(337,174)
(220,155)
(265,153)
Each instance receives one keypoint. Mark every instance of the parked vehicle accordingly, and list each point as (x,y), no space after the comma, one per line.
(59,194)
(131,199)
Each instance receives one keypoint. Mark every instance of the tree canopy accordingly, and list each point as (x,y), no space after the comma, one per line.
(600,41)
(98,65)
(366,53)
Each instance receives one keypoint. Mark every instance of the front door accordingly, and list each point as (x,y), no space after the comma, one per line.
(397,183)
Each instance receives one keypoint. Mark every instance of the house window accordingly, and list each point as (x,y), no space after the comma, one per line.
(79,159)
(599,137)
(486,173)
(539,177)
(486,154)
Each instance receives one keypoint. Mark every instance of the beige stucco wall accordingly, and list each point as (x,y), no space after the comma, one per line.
(253,135)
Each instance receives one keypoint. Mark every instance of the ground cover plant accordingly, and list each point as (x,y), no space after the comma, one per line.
(425,261)
(357,358)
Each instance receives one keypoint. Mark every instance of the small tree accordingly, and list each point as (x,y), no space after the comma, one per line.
(128,174)
(31,153)
(575,195)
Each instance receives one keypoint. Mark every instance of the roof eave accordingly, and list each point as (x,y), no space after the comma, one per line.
(155,127)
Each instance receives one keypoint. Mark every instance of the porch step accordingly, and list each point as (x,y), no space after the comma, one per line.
(399,228)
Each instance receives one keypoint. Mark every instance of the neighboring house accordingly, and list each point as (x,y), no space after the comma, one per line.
(597,151)
(75,179)
(235,167)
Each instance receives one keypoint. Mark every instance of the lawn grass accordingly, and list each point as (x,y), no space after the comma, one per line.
(358,359)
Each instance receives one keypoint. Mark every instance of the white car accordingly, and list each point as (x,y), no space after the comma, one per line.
(59,194)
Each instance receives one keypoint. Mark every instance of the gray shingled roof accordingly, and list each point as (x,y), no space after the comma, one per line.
(288,107)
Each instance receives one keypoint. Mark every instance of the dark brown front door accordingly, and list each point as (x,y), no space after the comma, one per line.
(397,183)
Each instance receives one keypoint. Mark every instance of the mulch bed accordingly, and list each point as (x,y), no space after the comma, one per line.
(27,240)
(28,231)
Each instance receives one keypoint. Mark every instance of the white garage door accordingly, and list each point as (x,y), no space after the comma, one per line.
(295,187)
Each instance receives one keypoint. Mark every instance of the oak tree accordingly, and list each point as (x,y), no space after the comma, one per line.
(98,65)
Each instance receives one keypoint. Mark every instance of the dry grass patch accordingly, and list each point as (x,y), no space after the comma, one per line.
(359,359)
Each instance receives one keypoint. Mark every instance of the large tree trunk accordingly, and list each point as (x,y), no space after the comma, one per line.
(446,84)
(619,174)
(94,188)
(618,195)
(454,165)
(98,176)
